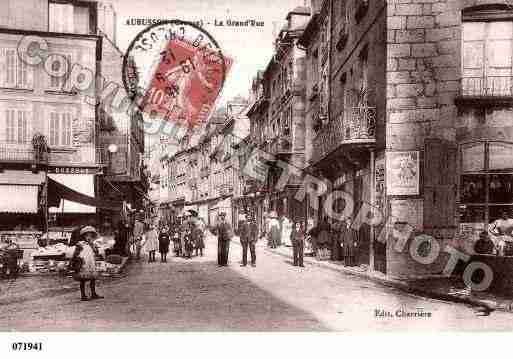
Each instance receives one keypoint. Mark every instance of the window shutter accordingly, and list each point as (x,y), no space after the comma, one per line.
(21,135)
(3,65)
(440,184)
(54,128)
(30,76)
(10,68)
(68,19)
(4,126)
(67,129)
(30,125)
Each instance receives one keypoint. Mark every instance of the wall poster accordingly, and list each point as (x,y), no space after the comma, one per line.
(402,173)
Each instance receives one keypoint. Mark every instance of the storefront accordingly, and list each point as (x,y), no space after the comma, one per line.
(485,186)
(67,214)
(21,208)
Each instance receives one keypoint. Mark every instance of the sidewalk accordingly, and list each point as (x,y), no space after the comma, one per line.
(443,288)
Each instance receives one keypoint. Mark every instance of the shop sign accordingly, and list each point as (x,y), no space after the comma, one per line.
(73,170)
(379,182)
(402,173)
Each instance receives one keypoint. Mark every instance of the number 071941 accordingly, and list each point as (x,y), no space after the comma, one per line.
(23,346)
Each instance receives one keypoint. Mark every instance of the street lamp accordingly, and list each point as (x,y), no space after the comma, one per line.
(113,148)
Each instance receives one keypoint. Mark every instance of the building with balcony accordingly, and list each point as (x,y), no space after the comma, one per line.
(414,122)
(51,148)
(280,113)
(121,140)
(345,107)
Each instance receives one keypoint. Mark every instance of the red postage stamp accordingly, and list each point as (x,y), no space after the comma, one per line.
(187,76)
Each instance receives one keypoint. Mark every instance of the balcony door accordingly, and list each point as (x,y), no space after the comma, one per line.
(487,58)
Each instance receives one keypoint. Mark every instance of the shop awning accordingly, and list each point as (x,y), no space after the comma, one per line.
(18,198)
(19,191)
(58,191)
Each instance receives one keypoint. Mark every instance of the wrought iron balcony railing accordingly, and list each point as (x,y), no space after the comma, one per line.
(225,189)
(357,126)
(487,86)
(17,154)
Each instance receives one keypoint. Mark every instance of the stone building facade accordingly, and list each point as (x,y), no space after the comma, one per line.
(416,126)
(201,173)
(38,100)
(284,123)
(448,97)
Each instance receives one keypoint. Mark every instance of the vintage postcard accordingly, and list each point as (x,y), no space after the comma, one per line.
(262,166)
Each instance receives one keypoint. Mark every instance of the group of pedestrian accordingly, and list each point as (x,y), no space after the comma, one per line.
(189,237)
(340,237)
(247,231)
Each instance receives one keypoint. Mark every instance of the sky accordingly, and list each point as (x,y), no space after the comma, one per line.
(250,47)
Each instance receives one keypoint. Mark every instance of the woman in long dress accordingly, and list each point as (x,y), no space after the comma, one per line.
(286,230)
(151,244)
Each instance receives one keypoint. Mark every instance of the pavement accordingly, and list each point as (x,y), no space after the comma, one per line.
(197,295)
(437,287)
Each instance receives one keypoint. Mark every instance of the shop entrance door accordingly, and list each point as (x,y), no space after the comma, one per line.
(364,231)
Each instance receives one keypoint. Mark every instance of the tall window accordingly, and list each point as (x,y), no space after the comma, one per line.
(487,58)
(486,181)
(58,83)
(17,126)
(61,18)
(60,129)
(15,73)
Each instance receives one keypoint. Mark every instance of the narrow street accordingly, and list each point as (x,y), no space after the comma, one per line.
(193,295)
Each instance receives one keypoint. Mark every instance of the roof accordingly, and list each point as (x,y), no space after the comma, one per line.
(311,29)
(301,10)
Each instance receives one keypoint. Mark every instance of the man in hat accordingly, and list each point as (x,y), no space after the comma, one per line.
(274,230)
(224,233)
(248,237)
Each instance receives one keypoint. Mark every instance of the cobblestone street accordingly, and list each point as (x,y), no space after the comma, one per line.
(197,295)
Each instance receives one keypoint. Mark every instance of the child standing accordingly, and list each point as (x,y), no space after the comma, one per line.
(164,240)
(151,244)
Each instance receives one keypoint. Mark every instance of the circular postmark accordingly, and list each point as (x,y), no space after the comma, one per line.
(174,70)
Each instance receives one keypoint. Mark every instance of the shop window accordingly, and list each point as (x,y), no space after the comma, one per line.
(486,182)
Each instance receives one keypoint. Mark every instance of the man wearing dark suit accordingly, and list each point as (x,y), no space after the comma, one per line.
(248,236)
(224,233)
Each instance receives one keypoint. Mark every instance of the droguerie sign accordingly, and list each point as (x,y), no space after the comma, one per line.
(177,70)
